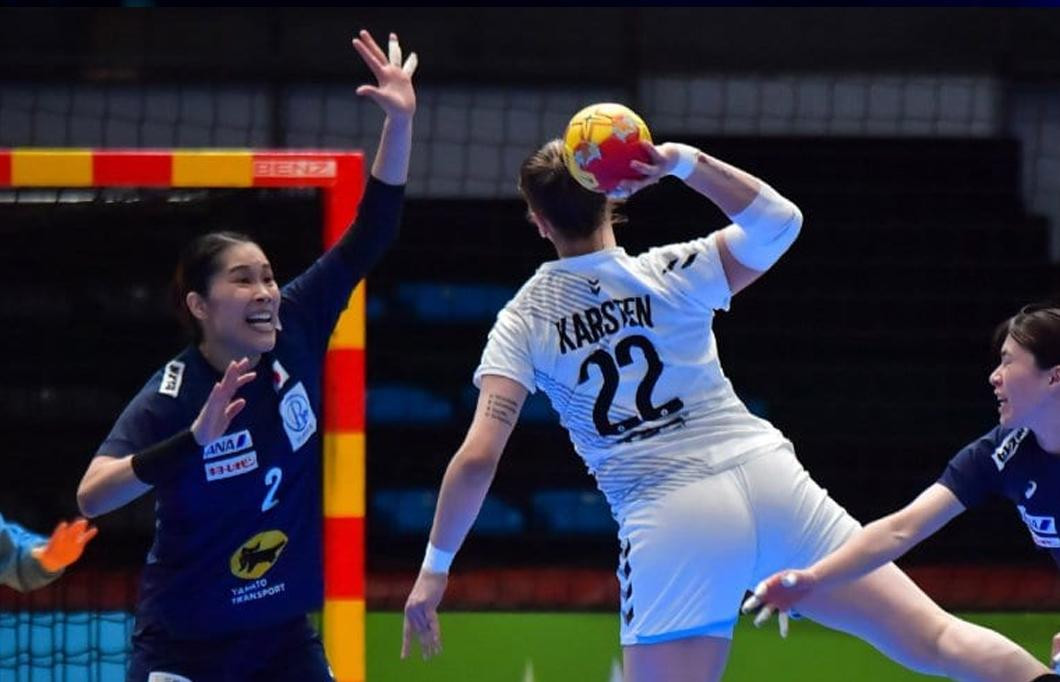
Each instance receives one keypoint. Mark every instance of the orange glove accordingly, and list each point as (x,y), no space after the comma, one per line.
(65,545)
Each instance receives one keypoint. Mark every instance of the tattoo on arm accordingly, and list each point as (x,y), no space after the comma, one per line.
(500,408)
(713,163)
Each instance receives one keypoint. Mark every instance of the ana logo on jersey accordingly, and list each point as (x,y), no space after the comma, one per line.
(226,445)
(1042,528)
(298,419)
(257,555)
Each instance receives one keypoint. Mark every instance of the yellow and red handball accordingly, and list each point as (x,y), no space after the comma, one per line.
(599,143)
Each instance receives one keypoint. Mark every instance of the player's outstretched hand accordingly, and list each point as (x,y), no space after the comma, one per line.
(778,593)
(394,92)
(220,408)
(65,545)
(421,615)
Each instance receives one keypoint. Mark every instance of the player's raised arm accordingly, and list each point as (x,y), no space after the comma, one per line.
(764,223)
(396,97)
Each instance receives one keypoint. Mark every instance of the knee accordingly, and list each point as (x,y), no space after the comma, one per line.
(969,651)
(951,643)
(927,643)
(942,642)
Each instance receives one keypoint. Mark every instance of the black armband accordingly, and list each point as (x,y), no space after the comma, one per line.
(376,227)
(161,461)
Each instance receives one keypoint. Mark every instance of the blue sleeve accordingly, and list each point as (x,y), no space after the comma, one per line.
(972,475)
(146,420)
(18,568)
(318,296)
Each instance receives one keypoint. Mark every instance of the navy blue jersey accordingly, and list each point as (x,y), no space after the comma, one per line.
(1010,463)
(238,535)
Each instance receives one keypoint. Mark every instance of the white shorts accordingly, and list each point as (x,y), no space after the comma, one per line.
(687,558)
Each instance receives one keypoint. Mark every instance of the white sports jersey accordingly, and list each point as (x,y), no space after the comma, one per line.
(624,349)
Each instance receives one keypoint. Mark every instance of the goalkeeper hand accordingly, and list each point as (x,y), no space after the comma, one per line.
(65,545)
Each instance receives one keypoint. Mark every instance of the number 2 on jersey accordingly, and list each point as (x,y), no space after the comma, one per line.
(609,370)
(272,479)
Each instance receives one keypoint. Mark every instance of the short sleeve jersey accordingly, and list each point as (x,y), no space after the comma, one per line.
(624,349)
(238,534)
(1010,463)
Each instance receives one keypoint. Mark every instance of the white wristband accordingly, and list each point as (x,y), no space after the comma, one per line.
(686,161)
(437,560)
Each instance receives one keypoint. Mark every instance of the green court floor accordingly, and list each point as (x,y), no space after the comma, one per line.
(544,647)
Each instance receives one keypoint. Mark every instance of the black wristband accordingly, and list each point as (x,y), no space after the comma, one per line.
(161,461)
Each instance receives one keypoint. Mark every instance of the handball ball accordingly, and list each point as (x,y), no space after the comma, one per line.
(600,141)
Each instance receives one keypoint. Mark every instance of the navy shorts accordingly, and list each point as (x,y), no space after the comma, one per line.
(289,652)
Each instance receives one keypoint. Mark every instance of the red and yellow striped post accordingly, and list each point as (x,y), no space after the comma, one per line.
(340,177)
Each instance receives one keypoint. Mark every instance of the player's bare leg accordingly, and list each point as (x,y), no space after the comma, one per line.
(692,659)
(886,609)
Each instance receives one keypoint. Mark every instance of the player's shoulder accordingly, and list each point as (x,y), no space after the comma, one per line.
(169,379)
(541,289)
(682,251)
(578,277)
(174,380)
(696,260)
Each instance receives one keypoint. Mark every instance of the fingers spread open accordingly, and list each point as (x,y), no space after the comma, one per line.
(763,615)
(373,47)
(410,64)
(234,408)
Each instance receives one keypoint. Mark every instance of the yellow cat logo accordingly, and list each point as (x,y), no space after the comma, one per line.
(257,555)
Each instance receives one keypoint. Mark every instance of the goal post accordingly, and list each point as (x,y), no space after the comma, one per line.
(339,176)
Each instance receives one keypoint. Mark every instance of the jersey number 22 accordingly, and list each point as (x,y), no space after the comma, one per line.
(609,367)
